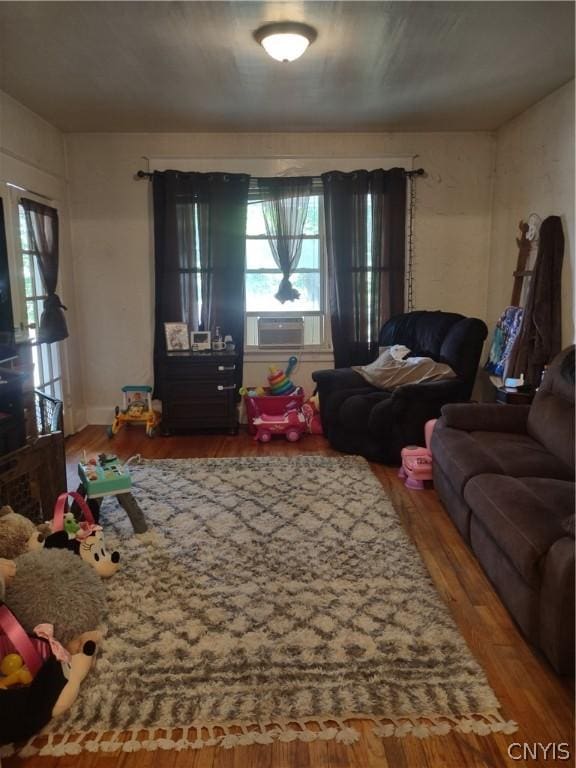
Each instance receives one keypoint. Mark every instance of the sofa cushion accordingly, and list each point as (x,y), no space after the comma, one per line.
(463,455)
(551,417)
(523,515)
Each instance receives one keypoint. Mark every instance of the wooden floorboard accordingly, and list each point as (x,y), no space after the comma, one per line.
(528,689)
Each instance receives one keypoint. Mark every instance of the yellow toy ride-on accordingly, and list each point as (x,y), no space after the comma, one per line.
(136,409)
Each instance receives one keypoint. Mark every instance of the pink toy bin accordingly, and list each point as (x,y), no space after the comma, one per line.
(271,405)
(416,467)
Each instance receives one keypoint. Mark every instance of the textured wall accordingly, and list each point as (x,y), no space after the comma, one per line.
(534,173)
(113,245)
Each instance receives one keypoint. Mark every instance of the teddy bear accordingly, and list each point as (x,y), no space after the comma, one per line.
(19,535)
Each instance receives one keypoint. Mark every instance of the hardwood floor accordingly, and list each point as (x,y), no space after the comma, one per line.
(527,687)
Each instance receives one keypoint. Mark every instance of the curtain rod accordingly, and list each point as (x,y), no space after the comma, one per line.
(148,175)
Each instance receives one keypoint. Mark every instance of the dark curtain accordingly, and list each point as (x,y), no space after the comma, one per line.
(285,206)
(540,337)
(199,251)
(365,221)
(42,229)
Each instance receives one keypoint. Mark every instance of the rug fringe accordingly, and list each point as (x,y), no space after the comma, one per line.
(235,734)
(482,724)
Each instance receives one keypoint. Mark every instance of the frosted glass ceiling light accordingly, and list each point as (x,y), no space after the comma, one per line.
(285,40)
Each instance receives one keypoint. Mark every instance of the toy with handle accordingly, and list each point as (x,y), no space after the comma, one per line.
(60,510)
(18,638)
(25,710)
(88,541)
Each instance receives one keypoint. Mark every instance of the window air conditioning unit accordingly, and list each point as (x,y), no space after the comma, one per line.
(280,331)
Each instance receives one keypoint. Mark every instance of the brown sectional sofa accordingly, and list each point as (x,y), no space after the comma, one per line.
(505,474)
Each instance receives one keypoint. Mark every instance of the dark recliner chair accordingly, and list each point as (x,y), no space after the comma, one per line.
(359,418)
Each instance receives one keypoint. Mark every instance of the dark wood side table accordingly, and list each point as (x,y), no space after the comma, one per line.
(199,392)
(514,397)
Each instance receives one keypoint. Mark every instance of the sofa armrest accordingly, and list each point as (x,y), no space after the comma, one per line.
(486,417)
(330,379)
(557,605)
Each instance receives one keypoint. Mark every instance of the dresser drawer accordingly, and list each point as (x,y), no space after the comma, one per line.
(211,370)
(199,392)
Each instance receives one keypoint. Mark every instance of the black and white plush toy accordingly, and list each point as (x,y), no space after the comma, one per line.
(90,547)
(84,537)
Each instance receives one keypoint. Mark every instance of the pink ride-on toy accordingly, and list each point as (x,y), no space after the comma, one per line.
(417,461)
(292,424)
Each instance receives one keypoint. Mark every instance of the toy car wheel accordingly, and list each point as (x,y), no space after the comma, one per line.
(293,435)
(265,436)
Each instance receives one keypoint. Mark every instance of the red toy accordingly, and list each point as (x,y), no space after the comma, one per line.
(311,412)
(417,461)
(292,424)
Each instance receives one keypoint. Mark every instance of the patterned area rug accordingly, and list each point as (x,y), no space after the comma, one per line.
(272,598)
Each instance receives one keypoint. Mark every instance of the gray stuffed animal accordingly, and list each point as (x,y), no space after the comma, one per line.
(54,586)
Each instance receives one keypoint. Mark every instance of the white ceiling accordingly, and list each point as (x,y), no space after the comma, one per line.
(194,66)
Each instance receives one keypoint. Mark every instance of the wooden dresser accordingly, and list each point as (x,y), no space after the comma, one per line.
(199,392)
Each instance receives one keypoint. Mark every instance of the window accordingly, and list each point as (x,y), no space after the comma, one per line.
(46,357)
(263,276)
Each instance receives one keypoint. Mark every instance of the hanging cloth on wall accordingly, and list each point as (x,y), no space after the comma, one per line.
(505,335)
(539,339)
(365,215)
(285,206)
(42,230)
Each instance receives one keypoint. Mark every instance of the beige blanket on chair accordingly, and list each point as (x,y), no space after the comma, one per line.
(389,372)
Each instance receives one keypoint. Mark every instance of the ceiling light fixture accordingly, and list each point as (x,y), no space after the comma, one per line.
(285,40)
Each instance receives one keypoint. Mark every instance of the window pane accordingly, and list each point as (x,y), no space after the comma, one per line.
(23,229)
(46,362)
(255,220)
(311,225)
(260,290)
(309,257)
(258,255)
(38,284)
(31,317)
(27,272)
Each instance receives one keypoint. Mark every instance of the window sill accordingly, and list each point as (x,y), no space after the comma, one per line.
(312,354)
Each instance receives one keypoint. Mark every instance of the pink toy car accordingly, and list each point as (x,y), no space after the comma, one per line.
(417,461)
(292,424)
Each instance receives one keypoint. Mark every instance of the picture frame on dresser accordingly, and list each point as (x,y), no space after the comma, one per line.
(201,341)
(177,339)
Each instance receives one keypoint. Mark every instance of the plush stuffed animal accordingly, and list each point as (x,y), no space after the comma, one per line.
(54,586)
(7,571)
(89,544)
(84,538)
(311,411)
(54,689)
(18,534)
(57,596)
